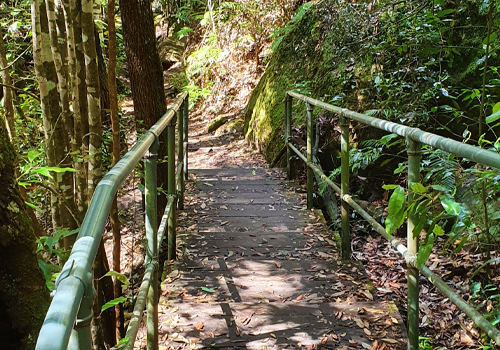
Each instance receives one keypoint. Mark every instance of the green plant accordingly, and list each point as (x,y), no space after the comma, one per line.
(368,152)
(48,249)
(279,33)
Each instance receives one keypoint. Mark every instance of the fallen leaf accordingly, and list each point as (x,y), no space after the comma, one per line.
(199,326)
(367,331)
(272,335)
(203,205)
(388,340)
(178,338)
(358,321)
(366,346)
(278,265)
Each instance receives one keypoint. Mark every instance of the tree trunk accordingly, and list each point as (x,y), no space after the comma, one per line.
(146,76)
(81,122)
(24,297)
(56,149)
(93,96)
(115,126)
(64,180)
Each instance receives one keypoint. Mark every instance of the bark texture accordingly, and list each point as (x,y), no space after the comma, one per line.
(24,298)
(93,96)
(146,76)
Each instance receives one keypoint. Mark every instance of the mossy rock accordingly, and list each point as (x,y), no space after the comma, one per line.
(217,123)
(232,126)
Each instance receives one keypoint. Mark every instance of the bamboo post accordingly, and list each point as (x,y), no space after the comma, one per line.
(344,188)
(81,337)
(180,154)
(171,190)
(310,175)
(288,134)
(150,164)
(185,121)
(413,151)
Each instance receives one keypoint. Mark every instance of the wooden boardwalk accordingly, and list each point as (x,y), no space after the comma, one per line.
(261,272)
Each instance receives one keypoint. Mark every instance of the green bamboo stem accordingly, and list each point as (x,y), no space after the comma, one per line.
(150,175)
(413,151)
(310,178)
(344,187)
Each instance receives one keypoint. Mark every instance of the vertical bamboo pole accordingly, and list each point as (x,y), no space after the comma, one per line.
(81,336)
(185,121)
(171,189)
(344,188)
(310,175)
(150,182)
(288,134)
(180,154)
(413,151)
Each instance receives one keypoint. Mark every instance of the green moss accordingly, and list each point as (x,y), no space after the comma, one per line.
(335,52)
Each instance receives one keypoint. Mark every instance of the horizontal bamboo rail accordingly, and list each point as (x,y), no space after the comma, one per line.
(67,323)
(414,138)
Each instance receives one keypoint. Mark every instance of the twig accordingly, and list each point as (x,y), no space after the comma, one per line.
(19,89)
(63,200)
(17,58)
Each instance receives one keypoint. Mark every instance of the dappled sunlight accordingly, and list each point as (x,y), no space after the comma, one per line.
(260,272)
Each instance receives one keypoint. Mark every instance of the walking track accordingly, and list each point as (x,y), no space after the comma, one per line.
(260,271)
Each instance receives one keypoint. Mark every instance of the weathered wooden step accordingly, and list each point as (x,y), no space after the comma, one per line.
(281,325)
(260,272)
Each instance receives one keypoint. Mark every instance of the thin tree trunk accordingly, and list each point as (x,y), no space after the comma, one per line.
(8,103)
(55,147)
(64,180)
(93,97)
(81,122)
(115,126)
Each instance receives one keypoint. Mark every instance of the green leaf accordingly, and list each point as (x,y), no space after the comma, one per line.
(113,302)
(424,251)
(438,230)
(493,36)
(439,188)
(396,210)
(121,344)
(31,205)
(475,289)
(496,107)
(493,117)
(45,170)
(208,290)
(390,187)
(444,12)
(449,205)
(418,188)
(33,154)
(254,173)
(208,184)
(120,277)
